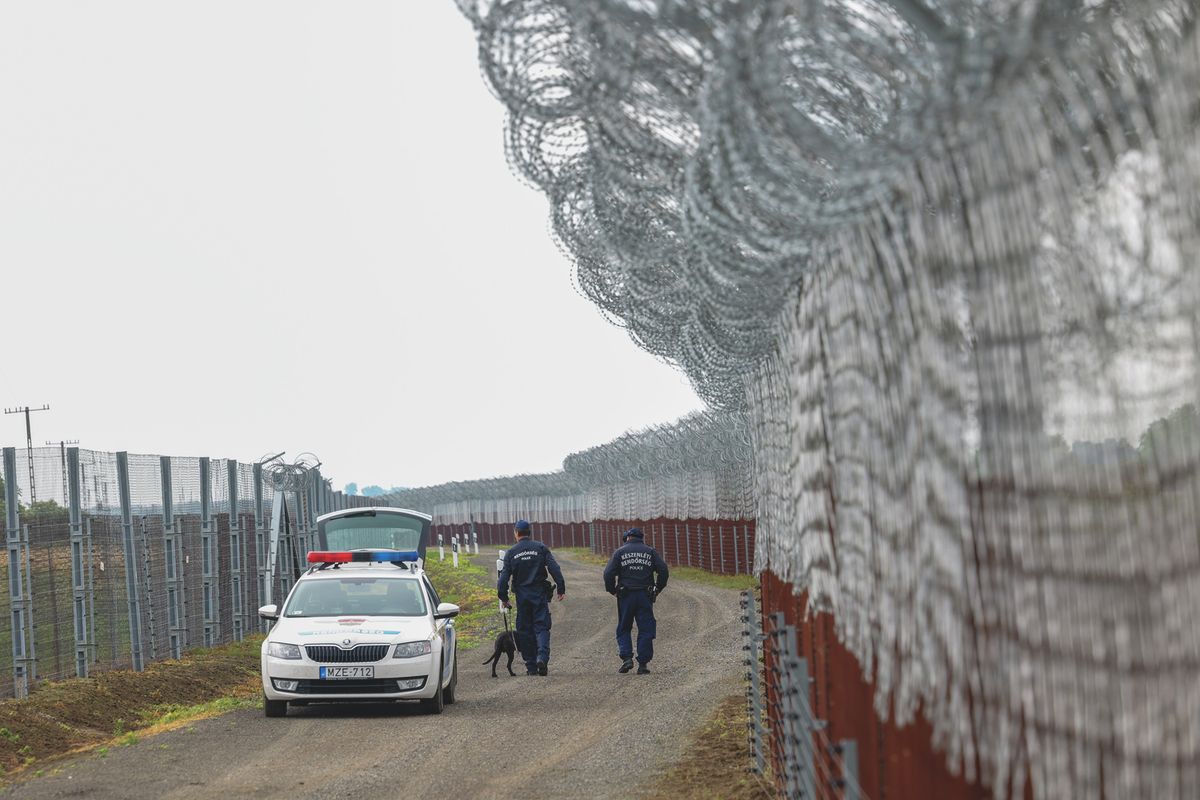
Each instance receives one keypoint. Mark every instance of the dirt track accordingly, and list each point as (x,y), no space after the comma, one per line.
(582,731)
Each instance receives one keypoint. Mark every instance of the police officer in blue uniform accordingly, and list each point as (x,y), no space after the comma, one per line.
(636,574)
(530,565)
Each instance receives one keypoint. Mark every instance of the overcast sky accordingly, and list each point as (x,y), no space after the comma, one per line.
(232,228)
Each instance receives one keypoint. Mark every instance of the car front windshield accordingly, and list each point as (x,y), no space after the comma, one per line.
(365,596)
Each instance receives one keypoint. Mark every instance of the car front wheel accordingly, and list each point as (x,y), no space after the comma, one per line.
(274,708)
(448,692)
(435,704)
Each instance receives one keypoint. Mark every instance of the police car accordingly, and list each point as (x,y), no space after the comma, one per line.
(361,624)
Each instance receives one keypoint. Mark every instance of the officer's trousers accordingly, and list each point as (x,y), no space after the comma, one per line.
(533,627)
(631,607)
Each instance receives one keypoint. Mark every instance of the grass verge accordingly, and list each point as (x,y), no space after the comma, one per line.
(691,574)
(115,708)
(716,762)
(472,589)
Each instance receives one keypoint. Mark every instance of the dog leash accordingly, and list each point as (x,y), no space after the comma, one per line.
(504,614)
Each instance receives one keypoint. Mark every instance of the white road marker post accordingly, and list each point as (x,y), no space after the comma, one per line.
(454,550)
(441,549)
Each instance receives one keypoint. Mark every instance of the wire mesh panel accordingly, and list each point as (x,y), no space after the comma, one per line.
(98,482)
(158,570)
(109,602)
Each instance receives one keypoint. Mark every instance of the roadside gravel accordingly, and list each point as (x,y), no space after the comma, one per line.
(583,731)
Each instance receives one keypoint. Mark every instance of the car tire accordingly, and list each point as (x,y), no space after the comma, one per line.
(435,704)
(274,708)
(448,692)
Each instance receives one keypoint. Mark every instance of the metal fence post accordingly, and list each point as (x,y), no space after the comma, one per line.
(847,751)
(16,582)
(796,720)
(746,549)
(148,576)
(171,540)
(260,542)
(131,578)
(207,567)
(78,559)
(753,637)
(236,569)
(721,547)
(296,536)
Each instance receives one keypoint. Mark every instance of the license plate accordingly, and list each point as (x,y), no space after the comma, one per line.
(346,673)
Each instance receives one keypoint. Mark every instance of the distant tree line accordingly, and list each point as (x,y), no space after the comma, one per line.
(352,490)
(37,509)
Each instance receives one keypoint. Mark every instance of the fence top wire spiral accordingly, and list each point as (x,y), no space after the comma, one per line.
(290,477)
(699,156)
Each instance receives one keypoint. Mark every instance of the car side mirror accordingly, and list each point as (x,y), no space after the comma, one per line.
(269,612)
(446,611)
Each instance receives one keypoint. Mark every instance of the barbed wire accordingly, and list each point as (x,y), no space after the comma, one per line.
(290,477)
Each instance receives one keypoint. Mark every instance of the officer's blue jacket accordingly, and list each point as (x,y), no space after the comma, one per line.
(635,566)
(527,564)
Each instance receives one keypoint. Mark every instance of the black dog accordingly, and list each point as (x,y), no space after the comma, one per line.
(506,643)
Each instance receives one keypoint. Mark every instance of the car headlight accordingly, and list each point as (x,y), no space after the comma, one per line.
(280,650)
(413,649)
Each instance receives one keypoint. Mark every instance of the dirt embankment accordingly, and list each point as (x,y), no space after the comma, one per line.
(65,716)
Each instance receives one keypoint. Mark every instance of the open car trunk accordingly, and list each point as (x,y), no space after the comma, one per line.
(387,528)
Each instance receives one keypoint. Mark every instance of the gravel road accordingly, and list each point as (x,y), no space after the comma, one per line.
(582,731)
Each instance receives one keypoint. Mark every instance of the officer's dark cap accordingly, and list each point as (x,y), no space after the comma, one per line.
(632,533)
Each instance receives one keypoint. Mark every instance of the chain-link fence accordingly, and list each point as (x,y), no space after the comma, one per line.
(115,559)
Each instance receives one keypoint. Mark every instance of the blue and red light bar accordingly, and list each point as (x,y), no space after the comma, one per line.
(345,557)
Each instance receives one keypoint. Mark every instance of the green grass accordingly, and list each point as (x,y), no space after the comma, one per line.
(691,574)
(170,713)
(472,589)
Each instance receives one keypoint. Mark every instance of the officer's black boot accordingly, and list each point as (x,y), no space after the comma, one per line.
(541,668)
(643,669)
(626,665)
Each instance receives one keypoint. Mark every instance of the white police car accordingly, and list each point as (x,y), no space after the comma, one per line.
(360,625)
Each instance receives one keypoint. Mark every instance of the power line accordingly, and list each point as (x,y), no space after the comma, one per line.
(26,410)
(62,451)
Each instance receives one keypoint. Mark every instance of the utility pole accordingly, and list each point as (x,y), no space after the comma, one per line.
(62,450)
(26,410)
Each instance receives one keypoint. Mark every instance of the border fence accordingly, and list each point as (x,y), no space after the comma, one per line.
(122,559)
(725,547)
